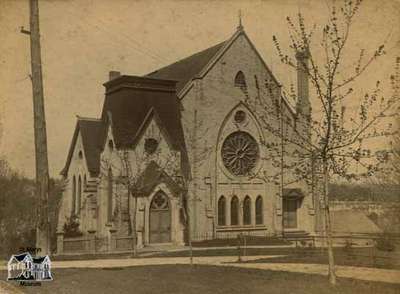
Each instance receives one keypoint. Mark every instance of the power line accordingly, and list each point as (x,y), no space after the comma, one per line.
(133,44)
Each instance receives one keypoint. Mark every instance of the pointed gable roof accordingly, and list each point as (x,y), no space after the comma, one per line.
(129,108)
(186,69)
(92,133)
(199,64)
(152,176)
(152,114)
(131,100)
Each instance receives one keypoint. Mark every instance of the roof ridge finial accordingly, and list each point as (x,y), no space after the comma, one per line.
(240,26)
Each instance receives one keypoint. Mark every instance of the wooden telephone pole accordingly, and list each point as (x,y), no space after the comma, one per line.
(42,168)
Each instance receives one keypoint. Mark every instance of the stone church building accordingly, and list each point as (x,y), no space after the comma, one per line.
(179,144)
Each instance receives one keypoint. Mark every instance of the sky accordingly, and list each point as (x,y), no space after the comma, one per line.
(82,40)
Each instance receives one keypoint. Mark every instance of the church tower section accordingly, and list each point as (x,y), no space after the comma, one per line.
(244,202)
(126,172)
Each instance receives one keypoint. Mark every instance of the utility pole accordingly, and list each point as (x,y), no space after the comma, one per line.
(42,167)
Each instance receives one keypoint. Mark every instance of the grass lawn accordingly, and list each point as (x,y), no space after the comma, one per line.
(200,279)
(364,257)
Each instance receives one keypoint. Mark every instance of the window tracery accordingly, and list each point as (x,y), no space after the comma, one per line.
(240,153)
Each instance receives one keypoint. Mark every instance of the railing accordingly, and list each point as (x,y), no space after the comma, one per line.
(76,245)
(101,244)
(124,243)
(222,233)
(92,244)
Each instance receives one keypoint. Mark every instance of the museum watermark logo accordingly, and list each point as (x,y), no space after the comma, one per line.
(29,270)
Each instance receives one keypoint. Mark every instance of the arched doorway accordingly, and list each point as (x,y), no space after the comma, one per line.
(160,219)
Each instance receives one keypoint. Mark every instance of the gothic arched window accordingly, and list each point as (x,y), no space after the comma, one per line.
(111,145)
(234,211)
(73,195)
(247,211)
(78,202)
(259,211)
(221,211)
(240,81)
(109,194)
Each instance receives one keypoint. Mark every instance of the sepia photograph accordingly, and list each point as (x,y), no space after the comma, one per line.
(200,146)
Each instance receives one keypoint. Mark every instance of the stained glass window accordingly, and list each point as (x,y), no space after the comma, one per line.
(234,211)
(78,202)
(240,153)
(240,81)
(247,211)
(259,211)
(150,145)
(109,194)
(221,211)
(160,201)
(73,205)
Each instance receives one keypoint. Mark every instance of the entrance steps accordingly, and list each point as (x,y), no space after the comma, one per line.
(161,247)
(299,237)
(295,234)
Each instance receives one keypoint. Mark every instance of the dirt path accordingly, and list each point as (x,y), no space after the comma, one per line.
(360,273)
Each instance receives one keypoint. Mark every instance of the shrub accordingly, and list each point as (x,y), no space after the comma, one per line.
(71,227)
(18,211)
(348,245)
(385,243)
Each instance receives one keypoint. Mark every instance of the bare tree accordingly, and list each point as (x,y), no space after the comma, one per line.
(325,145)
(196,134)
(128,166)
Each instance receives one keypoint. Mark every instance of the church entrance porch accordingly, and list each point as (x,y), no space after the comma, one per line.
(160,219)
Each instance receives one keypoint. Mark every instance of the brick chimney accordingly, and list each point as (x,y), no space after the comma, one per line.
(113,74)
(303,106)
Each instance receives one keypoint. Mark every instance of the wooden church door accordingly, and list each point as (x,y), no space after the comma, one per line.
(160,219)
(290,213)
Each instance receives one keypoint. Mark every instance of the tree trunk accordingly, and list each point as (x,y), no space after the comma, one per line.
(328,227)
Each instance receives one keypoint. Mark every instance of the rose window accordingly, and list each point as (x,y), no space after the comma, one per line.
(240,116)
(240,153)
(160,201)
(150,145)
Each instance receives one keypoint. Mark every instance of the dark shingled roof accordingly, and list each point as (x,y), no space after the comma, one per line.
(93,135)
(130,106)
(129,110)
(186,69)
(129,99)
